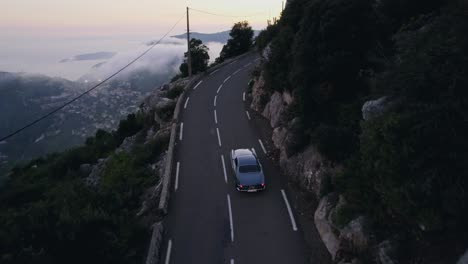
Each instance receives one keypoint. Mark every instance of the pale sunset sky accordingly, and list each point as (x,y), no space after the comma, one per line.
(109,17)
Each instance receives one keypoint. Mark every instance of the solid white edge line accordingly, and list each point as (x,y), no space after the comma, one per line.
(176,185)
(291,216)
(214,72)
(168,253)
(248,115)
(243,97)
(221,86)
(214,102)
(247,65)
(236,72)
(254,151)
(181,131)
(186,102)
(216,117)
(224,168)
(232,261)
(227,79)
(219,137)
(230,218)
(261,145)
(197,85)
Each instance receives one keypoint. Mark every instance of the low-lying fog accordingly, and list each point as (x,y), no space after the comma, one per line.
(73,58)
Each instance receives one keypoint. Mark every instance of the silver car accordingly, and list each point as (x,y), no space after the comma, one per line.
(248,171)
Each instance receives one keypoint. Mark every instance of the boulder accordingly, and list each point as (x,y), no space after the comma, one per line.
(94,178)
(309,169)
(327,232)
(266,52)
(149,103)
(386,253)
(463,259)
(374,108)
(279,137)
(127,145)
(275,109)
(357,236)
(259,95)
(164,109)
(287,98)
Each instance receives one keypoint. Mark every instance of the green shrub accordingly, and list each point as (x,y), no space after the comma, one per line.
(266,36)
(175,92)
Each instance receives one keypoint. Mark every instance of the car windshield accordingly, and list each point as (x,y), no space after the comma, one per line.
(249,168)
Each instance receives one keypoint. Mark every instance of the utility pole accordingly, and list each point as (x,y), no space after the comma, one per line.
(189,56)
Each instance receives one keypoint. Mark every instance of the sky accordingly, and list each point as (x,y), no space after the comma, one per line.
(111,17)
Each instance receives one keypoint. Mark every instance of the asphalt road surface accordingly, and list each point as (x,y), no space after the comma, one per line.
(208,220)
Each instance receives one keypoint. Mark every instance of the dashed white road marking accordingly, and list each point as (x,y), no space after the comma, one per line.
(177,177)
(247,65)
(197,85)
(243,97)
(230,218)
(219,137)
(225,80)
(214,72)
(168,253)
(261,145)
(214,102)
(216,117)
(181,131)
(232,261)
(257,59)
(221,86)
(237,71)
(291,216)
(186,102)
(224,168)
(248,115)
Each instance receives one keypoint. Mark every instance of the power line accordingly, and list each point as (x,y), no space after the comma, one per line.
(93,88)
(222,15)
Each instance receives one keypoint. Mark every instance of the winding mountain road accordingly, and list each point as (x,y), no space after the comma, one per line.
(208,220)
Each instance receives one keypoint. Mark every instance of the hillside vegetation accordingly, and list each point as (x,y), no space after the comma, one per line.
(84,205)
(407,166)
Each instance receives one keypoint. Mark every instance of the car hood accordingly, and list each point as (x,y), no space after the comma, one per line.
(251,178)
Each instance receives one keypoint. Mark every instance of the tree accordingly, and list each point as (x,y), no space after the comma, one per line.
(240,41)
(200,58)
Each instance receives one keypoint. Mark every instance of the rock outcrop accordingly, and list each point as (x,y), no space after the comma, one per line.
(328,233)
(259,95)
(374,108)
(302,163)
(386,253)
(357,236)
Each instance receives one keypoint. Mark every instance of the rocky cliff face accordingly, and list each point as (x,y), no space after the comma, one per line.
(302,163)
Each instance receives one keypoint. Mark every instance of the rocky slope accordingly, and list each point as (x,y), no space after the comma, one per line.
(303,164)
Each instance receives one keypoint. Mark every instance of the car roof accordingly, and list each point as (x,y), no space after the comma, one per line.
(243,152)
(245,157)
